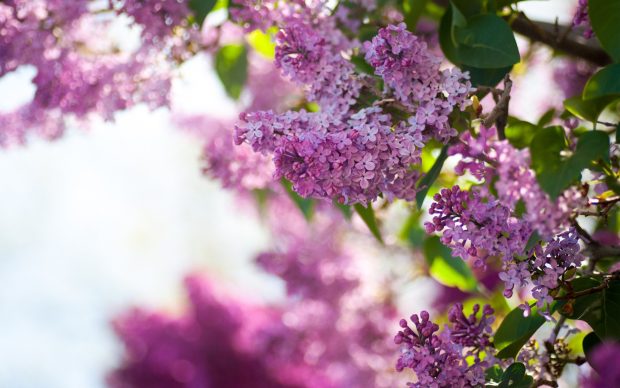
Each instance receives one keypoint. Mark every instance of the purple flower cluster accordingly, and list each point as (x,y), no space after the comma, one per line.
(309,53)
(551,263)
(500,164)
(354,160)
(471,331)
(158,18)
(201,348)
(412,72)
(78,73)
(440,360)
(474,228)
(235,167)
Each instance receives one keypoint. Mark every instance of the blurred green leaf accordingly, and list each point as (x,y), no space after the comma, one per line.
(344,209)
(412,10)
(587,109)
(604,83)
(520,133)
(368,216)
(305,205)
(263,42)
(231,66)
(430,177)
(546,118)
(605,19)
(201,9)
(361,65)
(447,270)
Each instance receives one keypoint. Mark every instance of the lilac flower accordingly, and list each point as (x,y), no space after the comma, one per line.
(354,160)
(439,360)
(498,163)
(559,255)
(471,331)
(412,72)
(477,229)
(198,349)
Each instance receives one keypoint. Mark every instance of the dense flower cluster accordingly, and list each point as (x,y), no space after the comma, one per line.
(439,360)
(354,160)
(310,54)
(551,262)
(158,18)
(412,72)
(474,228)
(498,163)
(201,348)
(361,155)
(470,331)
(79,68)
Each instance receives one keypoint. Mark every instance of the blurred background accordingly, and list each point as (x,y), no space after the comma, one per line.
(115,216)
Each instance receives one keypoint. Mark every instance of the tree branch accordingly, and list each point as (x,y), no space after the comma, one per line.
(499,114)
(569,42)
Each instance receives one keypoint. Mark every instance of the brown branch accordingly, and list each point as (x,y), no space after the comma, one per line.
(499,114)
(589,291)
(571,43)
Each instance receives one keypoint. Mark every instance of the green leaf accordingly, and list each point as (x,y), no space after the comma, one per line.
(486,77)
(431,176)
(344,209)
(263,43)
(468,8)
(605,82)
(555,174)
(592,146)
(587,109)
(605,19)
(412,232)
(546,118)
(201,9)
(231,66)
(515,377)
(412,10)
(552,172)
(520,133)
(361,65)
(305,205)
(447,270)
(486,42)
(515,330)
(368,216)
(601,310)
(493,375)
(532,241)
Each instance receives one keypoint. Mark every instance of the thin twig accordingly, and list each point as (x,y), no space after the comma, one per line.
(499,114)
